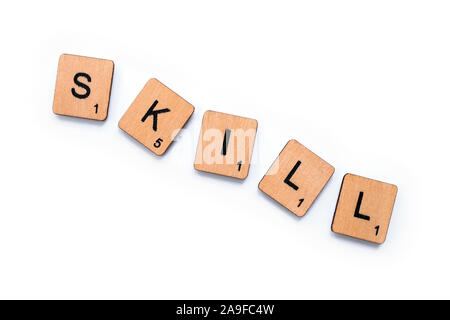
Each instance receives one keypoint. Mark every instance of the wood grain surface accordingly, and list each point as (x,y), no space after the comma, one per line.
(83,87)
(156,116)
(225,145)
(296,178)
(364,208)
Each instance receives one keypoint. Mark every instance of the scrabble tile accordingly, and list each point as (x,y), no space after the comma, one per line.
(364,208)
(156,116)
(226,144)
(296,178)
(83,87)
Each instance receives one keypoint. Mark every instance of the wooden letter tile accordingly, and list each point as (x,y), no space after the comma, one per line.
(364,208)
(226,144)
(296,178)
(83,87)
(156,116)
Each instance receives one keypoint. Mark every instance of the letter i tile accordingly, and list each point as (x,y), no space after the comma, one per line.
(225,145)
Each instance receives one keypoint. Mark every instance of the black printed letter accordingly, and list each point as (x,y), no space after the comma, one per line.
(226,138)
(358,206)
(289,176)
(154,113)
(82,85)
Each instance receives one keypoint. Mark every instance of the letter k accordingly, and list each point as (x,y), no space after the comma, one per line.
(154,113)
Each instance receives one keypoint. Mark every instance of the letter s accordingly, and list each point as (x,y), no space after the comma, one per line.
(82,85)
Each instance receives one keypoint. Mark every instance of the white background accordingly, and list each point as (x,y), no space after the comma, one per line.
(87,212)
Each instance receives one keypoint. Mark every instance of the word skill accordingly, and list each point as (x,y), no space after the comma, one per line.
(225,147)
